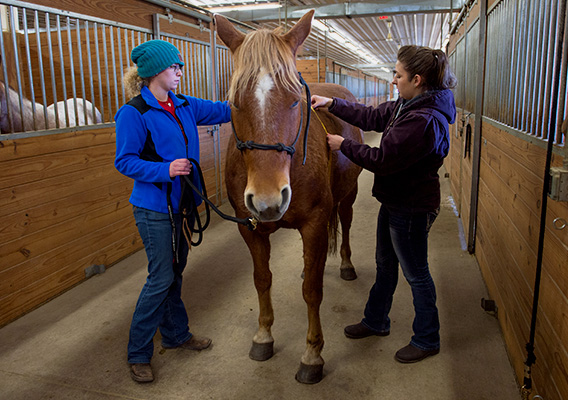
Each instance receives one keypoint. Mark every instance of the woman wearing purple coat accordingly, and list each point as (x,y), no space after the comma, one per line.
(414,144)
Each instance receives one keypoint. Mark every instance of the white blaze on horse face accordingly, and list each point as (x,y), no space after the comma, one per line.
(268,192)
(263,88)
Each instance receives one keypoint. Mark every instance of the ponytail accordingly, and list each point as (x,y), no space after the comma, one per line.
(432,65)
(133,83)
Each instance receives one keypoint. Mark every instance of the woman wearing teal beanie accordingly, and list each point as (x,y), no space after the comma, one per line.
(156,134)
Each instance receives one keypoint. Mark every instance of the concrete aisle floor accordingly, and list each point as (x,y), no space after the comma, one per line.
(74,347)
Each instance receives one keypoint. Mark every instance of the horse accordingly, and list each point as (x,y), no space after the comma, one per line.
(306,189)
(43,117)
(84,107)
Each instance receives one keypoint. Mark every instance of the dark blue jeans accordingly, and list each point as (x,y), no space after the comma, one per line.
(403,238)
(159,305)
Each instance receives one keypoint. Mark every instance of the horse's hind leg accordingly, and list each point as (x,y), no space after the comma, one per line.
(347,271)
(262,343)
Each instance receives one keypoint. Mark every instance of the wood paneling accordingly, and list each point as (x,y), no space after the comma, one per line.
(508,224)
(65,208)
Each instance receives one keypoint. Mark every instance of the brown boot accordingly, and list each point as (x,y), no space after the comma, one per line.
(411,354)
(360,331)
(196,343)
(141,372)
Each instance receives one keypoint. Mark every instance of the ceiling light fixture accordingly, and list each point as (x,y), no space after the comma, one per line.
(320,25)
(337,37)
(389,34)
(245,7)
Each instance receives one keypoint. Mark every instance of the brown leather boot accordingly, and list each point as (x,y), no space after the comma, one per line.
(141,372)
(360,331)
(196,343)
(411,354)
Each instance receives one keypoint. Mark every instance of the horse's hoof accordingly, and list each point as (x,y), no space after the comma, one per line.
(309,373)
(261,351)
(348,274)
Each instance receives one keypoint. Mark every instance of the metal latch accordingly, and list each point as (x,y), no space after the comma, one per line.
(558,189)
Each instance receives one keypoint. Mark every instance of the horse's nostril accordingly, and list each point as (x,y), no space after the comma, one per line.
(249,203)
(286,194)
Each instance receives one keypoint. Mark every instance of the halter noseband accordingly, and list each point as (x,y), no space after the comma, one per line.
(250,145)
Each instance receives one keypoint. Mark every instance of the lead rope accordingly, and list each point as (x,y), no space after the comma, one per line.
(190,212)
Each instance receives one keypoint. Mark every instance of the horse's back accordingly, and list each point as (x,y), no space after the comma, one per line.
(331,90)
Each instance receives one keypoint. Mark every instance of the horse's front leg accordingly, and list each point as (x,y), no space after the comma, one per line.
(263,342)
(314,237)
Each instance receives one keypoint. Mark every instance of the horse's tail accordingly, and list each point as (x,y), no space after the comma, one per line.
(332,230)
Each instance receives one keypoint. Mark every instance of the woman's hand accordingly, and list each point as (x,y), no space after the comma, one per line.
(181,166)
(320,101)
(334,141)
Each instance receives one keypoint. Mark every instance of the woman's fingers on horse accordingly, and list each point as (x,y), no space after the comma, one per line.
(334,141)
(320,101)
(317,101)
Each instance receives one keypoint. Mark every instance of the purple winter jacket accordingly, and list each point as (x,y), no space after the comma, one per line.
(414,144)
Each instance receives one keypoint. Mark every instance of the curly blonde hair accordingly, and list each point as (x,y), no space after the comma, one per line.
(133,83)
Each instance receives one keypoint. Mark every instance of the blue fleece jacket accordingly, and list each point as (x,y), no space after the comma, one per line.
(414,144)
(148,139)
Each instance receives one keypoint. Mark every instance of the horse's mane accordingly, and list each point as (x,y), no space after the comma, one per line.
(263,50)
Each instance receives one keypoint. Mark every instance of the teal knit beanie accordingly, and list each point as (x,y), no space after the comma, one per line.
(154,56)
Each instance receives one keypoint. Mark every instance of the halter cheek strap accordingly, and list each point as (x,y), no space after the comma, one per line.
(251,145)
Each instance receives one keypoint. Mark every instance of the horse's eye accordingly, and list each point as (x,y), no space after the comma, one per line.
(295,104)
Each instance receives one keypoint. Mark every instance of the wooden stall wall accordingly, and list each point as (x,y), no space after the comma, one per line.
(463,53)
(507,227)
(313,71)
(64,208)
(507,244)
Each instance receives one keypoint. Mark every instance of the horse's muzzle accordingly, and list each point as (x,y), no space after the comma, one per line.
(268,208)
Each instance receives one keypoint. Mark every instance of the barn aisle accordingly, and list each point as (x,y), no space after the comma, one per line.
(74,347)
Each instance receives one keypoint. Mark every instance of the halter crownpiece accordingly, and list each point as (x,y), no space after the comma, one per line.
(251,145)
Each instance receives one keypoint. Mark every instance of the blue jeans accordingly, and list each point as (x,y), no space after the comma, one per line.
(159,304)
(403,238)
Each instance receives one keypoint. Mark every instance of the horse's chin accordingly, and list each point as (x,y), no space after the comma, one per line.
(270,214)
(269,217)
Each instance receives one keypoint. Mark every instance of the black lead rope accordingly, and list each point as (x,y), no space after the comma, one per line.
(191,220)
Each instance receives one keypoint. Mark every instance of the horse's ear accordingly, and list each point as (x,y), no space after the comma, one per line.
(300,31)
(228,33)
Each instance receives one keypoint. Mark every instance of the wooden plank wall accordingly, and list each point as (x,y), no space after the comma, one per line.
(508,223)
(309,70)
(64,208)
(511,179)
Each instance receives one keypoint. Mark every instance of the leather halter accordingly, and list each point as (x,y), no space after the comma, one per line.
(250,145)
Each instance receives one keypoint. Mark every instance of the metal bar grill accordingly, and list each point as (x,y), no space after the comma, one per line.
(519,67)
(61,69)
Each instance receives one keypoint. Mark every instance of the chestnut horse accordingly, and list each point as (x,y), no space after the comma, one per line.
(269,175)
